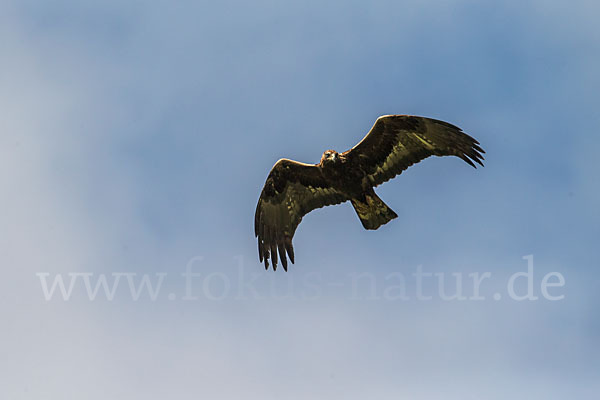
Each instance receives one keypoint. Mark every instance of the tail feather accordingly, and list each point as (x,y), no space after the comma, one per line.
(372,211)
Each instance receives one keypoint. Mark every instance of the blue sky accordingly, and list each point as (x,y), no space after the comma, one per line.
(137,136)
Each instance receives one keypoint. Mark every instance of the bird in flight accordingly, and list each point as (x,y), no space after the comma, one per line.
(394,143)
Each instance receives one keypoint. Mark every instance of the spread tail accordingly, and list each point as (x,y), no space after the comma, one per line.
(372,211)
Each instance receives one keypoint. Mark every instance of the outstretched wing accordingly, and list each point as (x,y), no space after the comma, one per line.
(291,191)
(395,142)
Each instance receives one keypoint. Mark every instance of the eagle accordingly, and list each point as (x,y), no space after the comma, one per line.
(394,143)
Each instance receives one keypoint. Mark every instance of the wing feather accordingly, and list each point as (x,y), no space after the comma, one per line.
(291,191)
(395,142)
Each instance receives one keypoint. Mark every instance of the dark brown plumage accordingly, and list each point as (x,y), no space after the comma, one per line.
(394,143)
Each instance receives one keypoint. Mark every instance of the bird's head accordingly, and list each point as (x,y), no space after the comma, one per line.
(330,157)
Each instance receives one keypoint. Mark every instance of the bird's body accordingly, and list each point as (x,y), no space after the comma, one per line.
(394,143)
(350,178)
(340,173)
